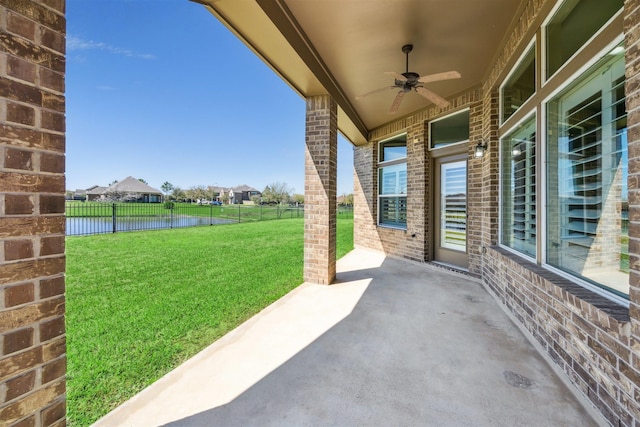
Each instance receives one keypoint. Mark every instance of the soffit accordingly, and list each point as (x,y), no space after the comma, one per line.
(343,47)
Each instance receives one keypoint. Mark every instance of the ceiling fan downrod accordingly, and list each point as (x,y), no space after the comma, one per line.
(406,49)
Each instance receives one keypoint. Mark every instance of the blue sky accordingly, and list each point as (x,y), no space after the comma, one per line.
(160,90)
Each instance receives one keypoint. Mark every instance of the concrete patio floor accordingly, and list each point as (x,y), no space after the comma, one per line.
(392,343)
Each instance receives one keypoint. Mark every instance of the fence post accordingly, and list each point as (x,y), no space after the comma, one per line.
(171,216)
(210,214)
(113,218)
(260,212)
(238,214)
(278,211)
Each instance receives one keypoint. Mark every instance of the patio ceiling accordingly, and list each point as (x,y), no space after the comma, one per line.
(344,47)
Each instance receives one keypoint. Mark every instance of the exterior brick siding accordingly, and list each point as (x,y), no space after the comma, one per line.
(320,190)
(412,243)
(594,341)
(32,262)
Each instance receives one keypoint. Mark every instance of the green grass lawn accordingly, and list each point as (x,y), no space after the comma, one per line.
(139,304)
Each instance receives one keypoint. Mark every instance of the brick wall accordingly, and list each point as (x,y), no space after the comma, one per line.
(586,335)
(32,144)
(594,341)
(320,190)
(632,89)
(476,197)
(631,368)
(414,242)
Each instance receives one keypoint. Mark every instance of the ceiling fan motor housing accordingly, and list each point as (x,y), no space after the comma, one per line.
(410,83)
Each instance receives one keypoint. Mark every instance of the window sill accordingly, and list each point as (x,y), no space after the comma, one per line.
(393,227)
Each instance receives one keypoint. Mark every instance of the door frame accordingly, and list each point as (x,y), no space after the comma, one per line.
(438,157)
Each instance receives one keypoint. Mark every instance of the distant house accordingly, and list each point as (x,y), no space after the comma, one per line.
(78,194)
(94,193)
(129,189)
(236,195)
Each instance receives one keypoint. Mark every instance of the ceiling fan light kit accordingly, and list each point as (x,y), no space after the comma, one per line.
(410,81)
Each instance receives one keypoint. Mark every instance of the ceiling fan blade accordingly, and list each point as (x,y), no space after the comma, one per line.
(436,99)
(397,76)
(396,102)
(375,91)
(447,75)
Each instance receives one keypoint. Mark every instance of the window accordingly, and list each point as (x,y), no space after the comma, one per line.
(392,182)
(572,26)
(450,130)
(453,217)
(520,85)
(587,174)
(563,171)
(519,188)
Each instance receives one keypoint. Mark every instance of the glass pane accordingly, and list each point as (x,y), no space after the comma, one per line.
(572,25)
(453,205)
(393,211)
(394,149)
(393,179)
(519,189)
(520,86)
(450,130)
(587,178)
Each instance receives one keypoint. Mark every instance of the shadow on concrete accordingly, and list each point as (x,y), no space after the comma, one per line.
(421,347)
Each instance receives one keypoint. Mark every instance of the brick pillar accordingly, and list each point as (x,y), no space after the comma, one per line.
(632,93)
(32,262)
(320,190)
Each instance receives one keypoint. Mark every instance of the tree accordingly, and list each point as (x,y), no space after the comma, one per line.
(211,192)
(178,194)
(143,181)
(167,187)
(298,199)
(115,181)
(277,192)
(267,195)
(346,200)
(120,196)
(196,193)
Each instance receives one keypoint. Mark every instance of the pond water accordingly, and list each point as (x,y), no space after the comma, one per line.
(84,226)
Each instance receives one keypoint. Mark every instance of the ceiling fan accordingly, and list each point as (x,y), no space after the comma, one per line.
(409,81)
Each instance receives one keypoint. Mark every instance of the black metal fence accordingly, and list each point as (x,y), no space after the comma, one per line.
(99,218)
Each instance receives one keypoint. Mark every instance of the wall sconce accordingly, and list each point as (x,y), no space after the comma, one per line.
(480,149)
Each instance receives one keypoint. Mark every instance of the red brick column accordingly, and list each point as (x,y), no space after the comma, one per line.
(632,93)
(32,261)
(320,190)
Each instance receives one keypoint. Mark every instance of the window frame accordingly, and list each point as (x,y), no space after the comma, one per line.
(453,144)
(530,46)
(531,114)
(624,301)
(384,164)
(603,41)
(544,78)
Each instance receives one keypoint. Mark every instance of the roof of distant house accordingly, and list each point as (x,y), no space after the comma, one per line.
(237,189)
(131,185)
(96,189)
(243,187)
